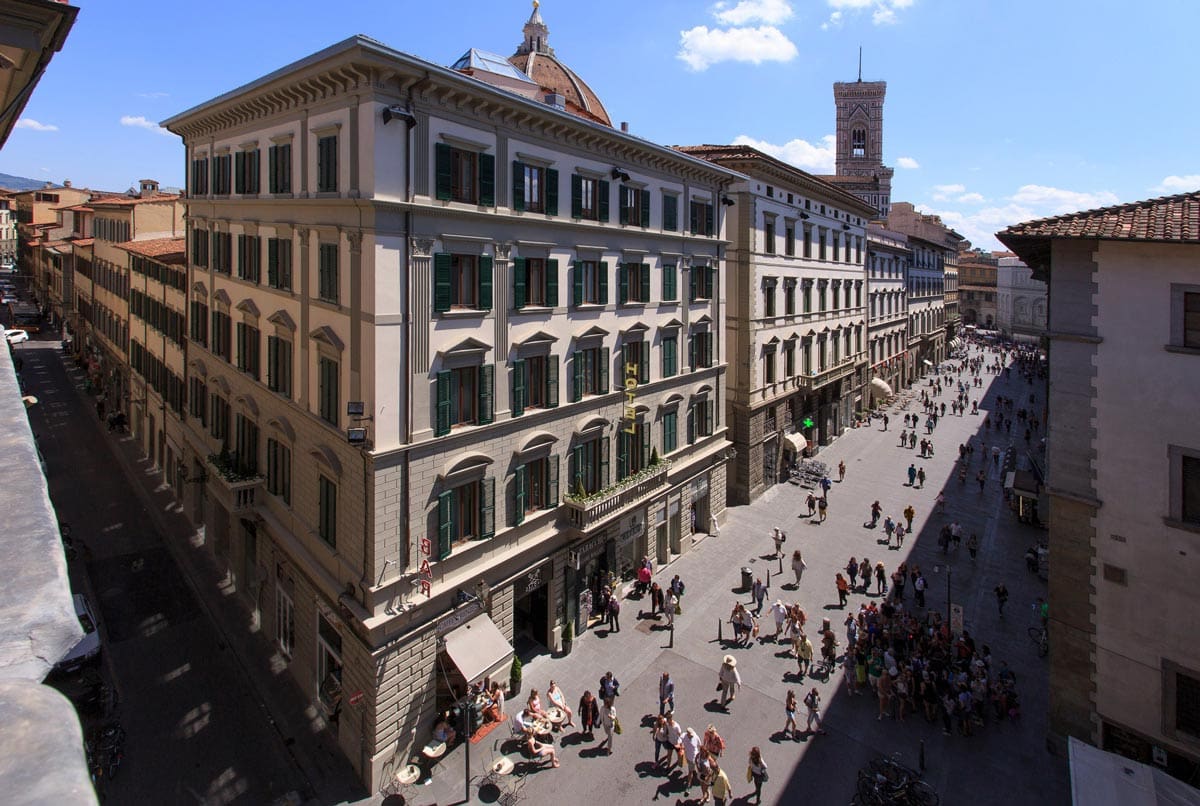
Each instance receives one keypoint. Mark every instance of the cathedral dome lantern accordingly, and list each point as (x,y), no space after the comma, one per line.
(536,59)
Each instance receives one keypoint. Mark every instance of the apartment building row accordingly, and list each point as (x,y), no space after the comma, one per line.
(433,355)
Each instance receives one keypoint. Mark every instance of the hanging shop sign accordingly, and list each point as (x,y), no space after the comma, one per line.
(630,415)
(425,576)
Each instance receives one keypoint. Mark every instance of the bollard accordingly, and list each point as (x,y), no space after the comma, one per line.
(720,626)
(768,577)
(780,571)
(921,757)
(671,645)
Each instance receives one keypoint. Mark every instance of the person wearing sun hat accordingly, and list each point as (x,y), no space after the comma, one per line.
(728,680)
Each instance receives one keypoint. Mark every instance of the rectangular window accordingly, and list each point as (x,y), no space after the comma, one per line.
(1190,493)
(222,252)
(807,241)
(535,189)
(246,172)
(633,450)
(465,176)
(589,283)
(249,258)
(634,283)
(636,354)
(535,283)
(823,247)
(700,347)
(245,446)
(279,263)
(200,177)
(462,282)
(589,466)
(701,219)
(589,370)
(327,510)
(279,470)
(327,272)
(219,421)
(670,282)
(703,282)
(699,419)
(535,383)
(221,175)
(280,168)
(837,244)
(198,400)
(789,240)
(589,198)
(670,432)
(670,212)
(769,365)
(327,164)
(198,325)
(789,297)
(635,206)
(535,487)
(222,334)
(769,287)
(329,662)
(279,365)
(464,396)
(1191,319)
(670,356)
(248,347)
(327,390)
(789,359)
(285,622)
(769,235)
(200,247)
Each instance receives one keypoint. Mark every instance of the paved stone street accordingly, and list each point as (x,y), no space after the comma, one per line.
(1001,764)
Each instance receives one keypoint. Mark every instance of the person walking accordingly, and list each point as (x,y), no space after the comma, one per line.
(889,526)
(826,484)
(728,680)
(666,694)
(789,709)
(610,688)
(982,479)
(973,545)
(912,475)
(919,589)
(843,590)
(756,772)
(876,511)
(798,566)
(691,752)
(900,535)
(804,654)
(759,592)
(778,538)
(852,571)
(671,607)
(941,502)
(823,508)
(812,701)
(721,791)
(885,422)
(779,614)
(812,504)
(589,714)
(658,732)
(842,468)
(864,573)
(608,721)
(1001,597)
(880,579)
(674,738)
(921,478)
(909,514)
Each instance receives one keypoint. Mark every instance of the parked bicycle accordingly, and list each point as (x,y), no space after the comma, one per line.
(887,782)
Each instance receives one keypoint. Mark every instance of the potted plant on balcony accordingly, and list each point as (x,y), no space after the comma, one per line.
(568,637)
(654,457)
(514,678)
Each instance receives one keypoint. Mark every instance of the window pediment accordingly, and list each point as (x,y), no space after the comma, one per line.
(283,320)
(465,463)
(539,339)
(593,332)
(248,307)
(325,335)
(536,440)
(283,426)
(328,458)
(468,348)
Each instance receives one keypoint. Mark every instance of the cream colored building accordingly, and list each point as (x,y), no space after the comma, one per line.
(523,309)
(888,260)
(933,245)
(8,228)
(1123,473)
(796,313)
(1020,300)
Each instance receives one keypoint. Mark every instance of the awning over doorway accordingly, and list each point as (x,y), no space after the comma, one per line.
(1023,483)
(954,343)
(881,386)
(795,442)
(478,648)
(927,362)
(1099,778)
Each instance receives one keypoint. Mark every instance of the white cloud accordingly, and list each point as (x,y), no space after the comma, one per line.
(908,163)
(701,47)
(834,21)
(771,12)
(30,123)
(1056,200)
(971,198)
(817,159)
(1176,184)
(944,192)
(883,12)
(153,95)
(140,122)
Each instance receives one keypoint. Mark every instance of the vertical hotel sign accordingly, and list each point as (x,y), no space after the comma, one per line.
(630,416)
(425,578)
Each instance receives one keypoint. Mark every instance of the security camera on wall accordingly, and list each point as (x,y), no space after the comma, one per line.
(356,436)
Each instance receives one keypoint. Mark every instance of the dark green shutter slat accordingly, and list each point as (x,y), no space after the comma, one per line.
(709,420)
(445,523)
(485,282)
(576,375)
(551,191)
(441,282)
(487,383)
(576,283)
(574,469)
(670,213)
(692,353)
(576,196)
(645,282)
(622,206)
(605,361)
(644,363)
(622,454)
(444,170)
(487,508)
(442,427)
(552,382)
(518,283)
(518,387)
(239,171)
(623,283)
(552,482)
(487,180)
(693,276)
(691,425)
(668,282)
(520,482)
(645,208)
(603,283)
(708,220)
(518,186)
(602,200)
(552,283)
(605,449)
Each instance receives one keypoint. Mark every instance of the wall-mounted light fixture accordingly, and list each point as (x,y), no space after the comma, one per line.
(804,216)
(617,173)
(728,202)
(396,112)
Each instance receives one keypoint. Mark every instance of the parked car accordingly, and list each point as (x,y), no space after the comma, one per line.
(88,646)
(16,335)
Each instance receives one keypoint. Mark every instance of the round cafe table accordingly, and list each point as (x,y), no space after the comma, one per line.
(434,750)
(503,766)
(556,716)
(409,775)
(542,727)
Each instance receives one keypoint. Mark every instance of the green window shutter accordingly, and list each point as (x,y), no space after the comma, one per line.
(441,282)
(709,421)
(518,186)
(487,381)
(708,220)
(518,387)
(487,180)
(644,429)
(487,508)
(442,426)
(575,469)
(552,283)
(552,382)
(551,190)
(518,283)
(602,200)
(668,282)
(645,208)
(273,169)
(576,283)
(576,376)
(693,221)
(622,454)
(576,196)
(670,213)
(552,497)
(273,258)
(622,208)
(239,171)
(644,362)
(444,165)
(668,357)
(520,482)
(605,361)
(692,353)
(693,276)
(603,283)
(605,449)
(691,425)
(645,277)
(445,523)
(623,283)
(485,283)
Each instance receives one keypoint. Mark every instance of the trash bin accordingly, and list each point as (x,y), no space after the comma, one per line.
(747,578)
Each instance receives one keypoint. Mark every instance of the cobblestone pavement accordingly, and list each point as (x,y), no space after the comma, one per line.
(1003,763)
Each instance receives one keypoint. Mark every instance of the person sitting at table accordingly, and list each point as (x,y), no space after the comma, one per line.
(493,704)
(558,699)
(442,731)
(535,704)
(540,750)
(523,721)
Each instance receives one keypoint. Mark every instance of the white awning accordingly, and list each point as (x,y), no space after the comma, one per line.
(881,386)
(927,362)
(954,343)
(1099,778)
(478,648)
(796,442)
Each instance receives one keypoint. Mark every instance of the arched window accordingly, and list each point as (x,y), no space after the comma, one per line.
(858,143)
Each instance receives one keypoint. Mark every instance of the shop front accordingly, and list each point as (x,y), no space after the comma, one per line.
(590,567)
(532,619)
(470,648)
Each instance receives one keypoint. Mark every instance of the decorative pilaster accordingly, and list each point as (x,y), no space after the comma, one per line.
(420,293)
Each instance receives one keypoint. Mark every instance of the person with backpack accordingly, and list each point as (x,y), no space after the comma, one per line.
(823,507)
(677,589)
(812,701)
(614,615)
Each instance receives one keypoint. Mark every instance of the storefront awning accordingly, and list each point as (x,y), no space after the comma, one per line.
(1099,778)
(954,343)
(478,648)
(795,442)
(881,386)
(1023,483)
(927,362)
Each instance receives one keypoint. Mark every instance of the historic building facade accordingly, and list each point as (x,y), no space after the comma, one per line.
(977,288)
(888,259)
(859,167)
(1020,300)
(933,245)
(455,361)
(796,313)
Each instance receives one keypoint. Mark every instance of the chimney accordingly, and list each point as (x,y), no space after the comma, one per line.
(66,183)
(555,100)
(149,187)
(625,126)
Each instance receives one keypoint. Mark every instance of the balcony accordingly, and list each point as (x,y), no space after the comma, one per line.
(235,489)
(830,374)
(585,512)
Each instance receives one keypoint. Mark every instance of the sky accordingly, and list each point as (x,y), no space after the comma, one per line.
(997,111)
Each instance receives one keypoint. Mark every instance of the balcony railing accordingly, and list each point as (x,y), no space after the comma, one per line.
(585,512)
(832,373)
(234,488)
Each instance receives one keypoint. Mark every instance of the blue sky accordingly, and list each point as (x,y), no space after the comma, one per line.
(997,110)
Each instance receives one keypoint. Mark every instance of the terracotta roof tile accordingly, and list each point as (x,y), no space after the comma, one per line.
(1169,218)
(127,201)
(158,248)
(84,241)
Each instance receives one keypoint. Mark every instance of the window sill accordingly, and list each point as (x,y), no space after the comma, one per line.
(463,313)
(633,303)
(1179,348)
(1183,525)
(590,306)
(533,309)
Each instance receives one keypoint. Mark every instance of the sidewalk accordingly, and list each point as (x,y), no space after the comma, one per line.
(820,770)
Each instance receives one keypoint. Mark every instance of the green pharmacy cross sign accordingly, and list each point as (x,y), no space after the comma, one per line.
(808,423)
